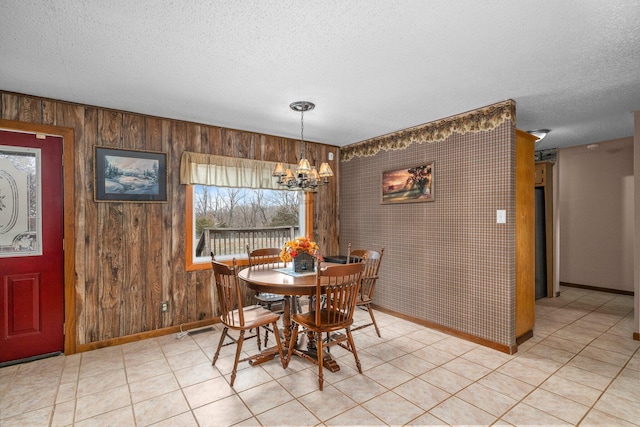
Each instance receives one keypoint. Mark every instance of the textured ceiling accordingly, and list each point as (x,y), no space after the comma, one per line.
(371,67)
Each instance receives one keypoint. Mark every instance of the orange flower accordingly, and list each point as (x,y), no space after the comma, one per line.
(293,248)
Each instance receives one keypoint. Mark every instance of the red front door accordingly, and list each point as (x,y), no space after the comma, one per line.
(31,254)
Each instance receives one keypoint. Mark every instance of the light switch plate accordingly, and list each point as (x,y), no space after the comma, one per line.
(501,216)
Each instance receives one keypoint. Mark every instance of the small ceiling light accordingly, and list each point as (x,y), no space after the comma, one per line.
(306,176)
(540,133)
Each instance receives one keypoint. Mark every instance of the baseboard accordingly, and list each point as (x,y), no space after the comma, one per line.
(145,335)
(524,337)
(449,331)
(596,288)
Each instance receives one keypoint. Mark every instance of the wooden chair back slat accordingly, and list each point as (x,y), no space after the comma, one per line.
(339,285)
(371,269)
(264,257)
(229,294)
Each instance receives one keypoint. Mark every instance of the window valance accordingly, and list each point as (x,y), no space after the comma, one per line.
(222,171)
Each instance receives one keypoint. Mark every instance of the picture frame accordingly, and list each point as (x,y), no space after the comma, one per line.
(408,185)
(130,175)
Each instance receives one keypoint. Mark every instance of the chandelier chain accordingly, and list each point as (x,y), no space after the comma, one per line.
(302,134)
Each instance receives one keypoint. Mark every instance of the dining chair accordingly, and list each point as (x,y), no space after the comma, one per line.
(369,279)
(339,285)
(266,258)
(238,318)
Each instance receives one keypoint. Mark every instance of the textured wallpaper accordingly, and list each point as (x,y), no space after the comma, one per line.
(446,262)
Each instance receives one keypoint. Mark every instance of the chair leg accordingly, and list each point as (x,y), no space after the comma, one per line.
(373,319)
(238,352)
(222,337)
(320,361)
(353,349)
(279,344)
(258,338)
(292,344)
(266,337)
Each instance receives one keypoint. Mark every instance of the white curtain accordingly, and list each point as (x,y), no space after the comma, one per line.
(222,171)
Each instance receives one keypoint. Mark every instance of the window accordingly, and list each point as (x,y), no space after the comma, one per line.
(232,202)
(224,220)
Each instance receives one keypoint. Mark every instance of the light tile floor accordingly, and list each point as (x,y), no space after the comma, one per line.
(581,367)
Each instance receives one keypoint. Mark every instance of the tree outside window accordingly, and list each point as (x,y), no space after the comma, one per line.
(245,213)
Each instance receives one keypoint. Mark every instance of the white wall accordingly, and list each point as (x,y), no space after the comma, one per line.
(596,198)
(636,158)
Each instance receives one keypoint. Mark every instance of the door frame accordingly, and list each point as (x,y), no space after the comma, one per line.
(69,230)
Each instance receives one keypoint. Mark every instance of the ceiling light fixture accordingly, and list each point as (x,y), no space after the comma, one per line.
(306,177)
(540,133)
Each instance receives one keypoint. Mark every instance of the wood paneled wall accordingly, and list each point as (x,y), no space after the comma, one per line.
(131,256)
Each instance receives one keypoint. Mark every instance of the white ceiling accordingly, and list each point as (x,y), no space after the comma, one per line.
(371,66)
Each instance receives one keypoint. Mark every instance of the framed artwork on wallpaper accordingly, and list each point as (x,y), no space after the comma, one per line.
(129,176)
(408,185)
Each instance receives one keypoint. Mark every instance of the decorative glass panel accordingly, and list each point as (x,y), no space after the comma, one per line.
(20,202)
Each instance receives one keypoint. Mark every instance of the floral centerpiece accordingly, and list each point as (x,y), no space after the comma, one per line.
(303,252)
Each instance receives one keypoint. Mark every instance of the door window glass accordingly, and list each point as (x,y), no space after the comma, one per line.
(20,202)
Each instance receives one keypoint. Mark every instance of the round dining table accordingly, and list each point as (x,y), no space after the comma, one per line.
(282,280)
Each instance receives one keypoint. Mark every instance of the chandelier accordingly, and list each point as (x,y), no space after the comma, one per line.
(305,177)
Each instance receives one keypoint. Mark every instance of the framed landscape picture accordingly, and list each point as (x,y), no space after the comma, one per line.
(130,176)
(408,185)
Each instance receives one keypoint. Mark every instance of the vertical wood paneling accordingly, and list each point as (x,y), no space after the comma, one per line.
(194,143)
(133,225)
(194,137)
(89,248)
(129,257)
(167,220)
(244,143)
(209,144)
(10,106)
(30,110)
(110,233)
(205,146)
(326,221)
(177,201)
(72,116)
(215,141)
(153,240)
(110,278)
(49,114)
(227,143)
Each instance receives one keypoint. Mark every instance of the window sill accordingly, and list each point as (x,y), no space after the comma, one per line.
(201,264)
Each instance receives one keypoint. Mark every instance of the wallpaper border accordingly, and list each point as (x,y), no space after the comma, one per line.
(478,120)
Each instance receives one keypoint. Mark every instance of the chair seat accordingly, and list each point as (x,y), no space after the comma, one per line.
(254,315)
(327,323)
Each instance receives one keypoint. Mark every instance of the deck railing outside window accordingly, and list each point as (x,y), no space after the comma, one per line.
(231,241)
